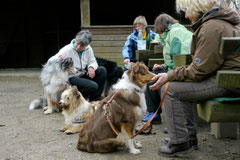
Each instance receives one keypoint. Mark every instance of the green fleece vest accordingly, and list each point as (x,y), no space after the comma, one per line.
(176,40)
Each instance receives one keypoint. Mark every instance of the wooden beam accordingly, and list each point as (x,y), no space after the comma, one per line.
(85,12)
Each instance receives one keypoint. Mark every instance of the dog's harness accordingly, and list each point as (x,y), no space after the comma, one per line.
(108,104)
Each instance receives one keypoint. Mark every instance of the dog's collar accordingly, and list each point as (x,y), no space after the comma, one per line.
(136,88)
(139,90)
(94,109)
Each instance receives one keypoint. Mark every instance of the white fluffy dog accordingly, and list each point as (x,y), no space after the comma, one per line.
(54,78)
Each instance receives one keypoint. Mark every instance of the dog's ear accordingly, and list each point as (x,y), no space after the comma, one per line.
(75,92)
(136,67)
(66,62)
(68,86)
(75,88)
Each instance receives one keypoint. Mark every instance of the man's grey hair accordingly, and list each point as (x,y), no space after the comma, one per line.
(83,38)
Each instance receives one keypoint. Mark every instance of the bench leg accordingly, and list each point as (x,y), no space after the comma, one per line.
(224,130)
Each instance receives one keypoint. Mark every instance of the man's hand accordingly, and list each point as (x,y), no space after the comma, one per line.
(161,78)
(91,72)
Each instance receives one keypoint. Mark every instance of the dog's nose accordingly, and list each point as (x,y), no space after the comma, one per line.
(60,102)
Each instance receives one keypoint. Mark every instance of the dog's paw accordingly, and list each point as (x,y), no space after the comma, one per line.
(69,132)
(138,144)
(45,108)
(135,151)
(48,112)
(62,129)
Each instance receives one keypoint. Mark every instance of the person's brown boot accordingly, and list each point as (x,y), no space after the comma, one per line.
(192,139)
(174,150)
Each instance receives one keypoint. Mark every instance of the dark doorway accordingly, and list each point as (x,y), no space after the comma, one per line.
(111,12)
(33,31)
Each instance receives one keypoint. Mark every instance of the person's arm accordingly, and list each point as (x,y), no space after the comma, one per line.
(127,49)
(206,58)
(153,34)
(91,60)
(166,56)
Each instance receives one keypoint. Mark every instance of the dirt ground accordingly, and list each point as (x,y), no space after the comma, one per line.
(26,134)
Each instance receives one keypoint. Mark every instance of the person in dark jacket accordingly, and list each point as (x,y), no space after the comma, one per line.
(130,46)
(212,20)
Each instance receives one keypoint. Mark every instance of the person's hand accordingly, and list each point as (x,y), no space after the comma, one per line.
(161,78)
(126,61)
(157,67)
(91,72)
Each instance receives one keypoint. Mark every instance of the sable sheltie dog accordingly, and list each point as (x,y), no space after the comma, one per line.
(75,108)
(128,106)
(54,78)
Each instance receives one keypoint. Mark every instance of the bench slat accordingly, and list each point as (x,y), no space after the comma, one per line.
(109,37)
(108,44)
(153,61)
(117,55)
(158,49)
(228,79)
(213,111)
(230,45)
(107,49)
(182,59)
(142,55)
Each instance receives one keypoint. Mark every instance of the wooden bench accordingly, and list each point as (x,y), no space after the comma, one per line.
(182,59)
(216,110)
(152,56)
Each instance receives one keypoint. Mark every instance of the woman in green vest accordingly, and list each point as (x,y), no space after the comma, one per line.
(175,39)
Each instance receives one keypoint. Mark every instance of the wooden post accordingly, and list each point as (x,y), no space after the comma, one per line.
(85,12)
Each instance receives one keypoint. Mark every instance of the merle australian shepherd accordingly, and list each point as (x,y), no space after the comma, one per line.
(54,78)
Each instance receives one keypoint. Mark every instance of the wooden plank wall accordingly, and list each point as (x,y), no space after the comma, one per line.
(108,41)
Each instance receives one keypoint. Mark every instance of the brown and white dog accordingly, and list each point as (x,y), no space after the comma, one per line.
(128,107)
(75,108)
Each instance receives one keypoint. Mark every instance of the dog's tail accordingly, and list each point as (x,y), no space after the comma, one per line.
(38,103)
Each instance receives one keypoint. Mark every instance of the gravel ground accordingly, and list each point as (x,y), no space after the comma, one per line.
(26,134)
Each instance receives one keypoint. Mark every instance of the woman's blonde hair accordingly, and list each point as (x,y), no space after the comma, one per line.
(141,20)
(162,22)
(196,7)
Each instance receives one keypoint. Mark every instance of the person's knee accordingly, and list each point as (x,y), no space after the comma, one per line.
(101,72)
(92,88)
(73,81)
